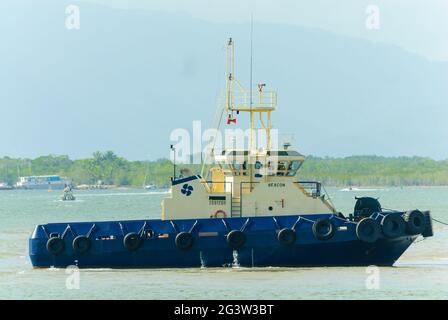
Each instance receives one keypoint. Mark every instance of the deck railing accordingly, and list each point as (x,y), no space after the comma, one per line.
(266,100)
(313,188)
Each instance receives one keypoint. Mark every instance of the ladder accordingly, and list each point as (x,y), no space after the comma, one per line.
(236,207)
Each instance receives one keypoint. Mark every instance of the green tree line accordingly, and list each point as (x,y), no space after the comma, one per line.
(112,169)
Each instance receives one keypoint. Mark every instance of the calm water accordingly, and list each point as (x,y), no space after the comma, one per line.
(422,272)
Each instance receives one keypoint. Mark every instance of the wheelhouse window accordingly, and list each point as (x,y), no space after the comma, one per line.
(236,168)
(239,169)
(293,167)
(258,172)
(282,168)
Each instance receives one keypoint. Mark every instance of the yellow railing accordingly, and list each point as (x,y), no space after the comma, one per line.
(264,101)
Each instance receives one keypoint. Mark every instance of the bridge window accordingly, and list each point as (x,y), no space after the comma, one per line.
(239,169)
(293,167)
(282,168)
(236,167)
(245,168)
(258,165)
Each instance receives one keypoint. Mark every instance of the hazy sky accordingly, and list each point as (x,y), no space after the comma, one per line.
(402,22)
(136,70)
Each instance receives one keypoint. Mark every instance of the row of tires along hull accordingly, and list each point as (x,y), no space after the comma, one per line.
(368,229)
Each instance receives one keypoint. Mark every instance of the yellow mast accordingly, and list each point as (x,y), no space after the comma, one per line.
(230,75)
(243,102)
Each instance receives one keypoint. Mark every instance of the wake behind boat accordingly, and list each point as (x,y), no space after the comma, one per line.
(253,209)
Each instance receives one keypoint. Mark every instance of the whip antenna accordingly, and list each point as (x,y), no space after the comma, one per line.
(251,54)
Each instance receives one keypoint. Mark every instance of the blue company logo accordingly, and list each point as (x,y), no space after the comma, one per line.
(187,189)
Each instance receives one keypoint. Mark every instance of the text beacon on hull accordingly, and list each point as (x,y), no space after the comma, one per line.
(253,207)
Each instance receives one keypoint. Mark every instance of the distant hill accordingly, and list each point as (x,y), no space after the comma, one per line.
(112,169)
(127,78)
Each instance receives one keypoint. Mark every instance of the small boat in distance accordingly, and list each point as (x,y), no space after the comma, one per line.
(67,194)
(351,189)
(5,186)
(150,186)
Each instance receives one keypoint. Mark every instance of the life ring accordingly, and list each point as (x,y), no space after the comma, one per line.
(415,222)
(132,241)
(236,239)
(393,225)
(55,246)
(81,244)
(224,214)
(286,236)
(323,229)
(184,240)
(368,230)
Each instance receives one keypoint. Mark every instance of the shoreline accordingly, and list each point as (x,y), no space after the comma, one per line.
(340,187)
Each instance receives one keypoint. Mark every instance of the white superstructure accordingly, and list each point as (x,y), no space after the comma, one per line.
(247,182)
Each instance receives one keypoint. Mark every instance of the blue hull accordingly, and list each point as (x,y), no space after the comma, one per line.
(210,248)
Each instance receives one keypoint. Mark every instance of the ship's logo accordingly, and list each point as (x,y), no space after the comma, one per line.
(187,189)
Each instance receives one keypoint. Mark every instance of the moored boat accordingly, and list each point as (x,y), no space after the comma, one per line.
(48,182)
(5,186)
(252,210)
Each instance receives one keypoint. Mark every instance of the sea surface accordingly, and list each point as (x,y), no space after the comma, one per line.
(421,273)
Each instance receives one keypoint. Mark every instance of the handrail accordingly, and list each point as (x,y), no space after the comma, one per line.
(266,100)
(313,186)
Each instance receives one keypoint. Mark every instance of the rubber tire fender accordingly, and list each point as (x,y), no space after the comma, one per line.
(55,246)
(184,240)
(428,228)
(415,222)
(132,241)
(323,229)
(286,236)
(393,225)
(81,244)
(368,230)
(236,239)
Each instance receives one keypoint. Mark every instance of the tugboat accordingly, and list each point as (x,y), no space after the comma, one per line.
(252,210)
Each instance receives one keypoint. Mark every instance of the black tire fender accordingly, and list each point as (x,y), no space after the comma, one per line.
(55,246)
(81,244)
(428,222)
(323,229)
(368,230)
(132,241)
(184,240)
(236,239)
(415,222)
(286,236)
(393,225)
